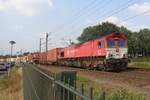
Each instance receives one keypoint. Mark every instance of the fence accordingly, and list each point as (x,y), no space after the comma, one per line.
(40,84)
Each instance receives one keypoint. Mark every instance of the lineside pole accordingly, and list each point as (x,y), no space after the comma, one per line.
(40,45)
(46,48)
(10,60)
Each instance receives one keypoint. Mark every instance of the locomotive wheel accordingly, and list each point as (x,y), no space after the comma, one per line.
(100,67)
(105,68)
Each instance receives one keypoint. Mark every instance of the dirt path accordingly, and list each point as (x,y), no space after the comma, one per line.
(134,80)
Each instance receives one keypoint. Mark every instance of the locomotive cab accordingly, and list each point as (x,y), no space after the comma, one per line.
(116,51)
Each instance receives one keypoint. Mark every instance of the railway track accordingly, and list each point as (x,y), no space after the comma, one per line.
(133,79)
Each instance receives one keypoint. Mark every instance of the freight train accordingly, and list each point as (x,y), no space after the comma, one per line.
(109,52)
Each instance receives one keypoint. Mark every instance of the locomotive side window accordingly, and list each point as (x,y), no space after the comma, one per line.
(111,43)
(62,54)
(101,44)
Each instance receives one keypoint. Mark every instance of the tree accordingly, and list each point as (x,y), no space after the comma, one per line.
(96,31)
(144,41)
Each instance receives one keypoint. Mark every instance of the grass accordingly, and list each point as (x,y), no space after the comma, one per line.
(122,94)
(140,62)
(10,87)
(111,93)
(141,59)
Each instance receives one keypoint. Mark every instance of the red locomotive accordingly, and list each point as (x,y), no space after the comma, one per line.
(108,53)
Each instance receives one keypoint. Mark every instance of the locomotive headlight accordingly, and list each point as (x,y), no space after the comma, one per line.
(125,55)
(110,55)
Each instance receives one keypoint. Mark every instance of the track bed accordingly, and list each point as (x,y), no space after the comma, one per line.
(133,79)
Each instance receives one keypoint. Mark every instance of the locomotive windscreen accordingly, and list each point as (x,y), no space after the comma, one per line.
(116,43)
(122,43)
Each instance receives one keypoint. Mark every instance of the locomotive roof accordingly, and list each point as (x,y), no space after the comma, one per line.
(100,37)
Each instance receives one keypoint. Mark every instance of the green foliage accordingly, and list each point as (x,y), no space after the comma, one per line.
(10,87)
(124,95)
(93,32)
(8,82)
(141,59)
(110,94)
(139,64)
(143,62)
(82,79)
(138,42)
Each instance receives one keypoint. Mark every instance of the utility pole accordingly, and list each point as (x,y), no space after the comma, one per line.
(21,55)
(40,45)
(70,42)
(46,46)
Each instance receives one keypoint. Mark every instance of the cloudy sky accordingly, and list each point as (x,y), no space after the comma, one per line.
(25,21)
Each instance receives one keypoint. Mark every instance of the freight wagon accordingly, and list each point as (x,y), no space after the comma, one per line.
(53,56)
(34,57)
(42,58)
